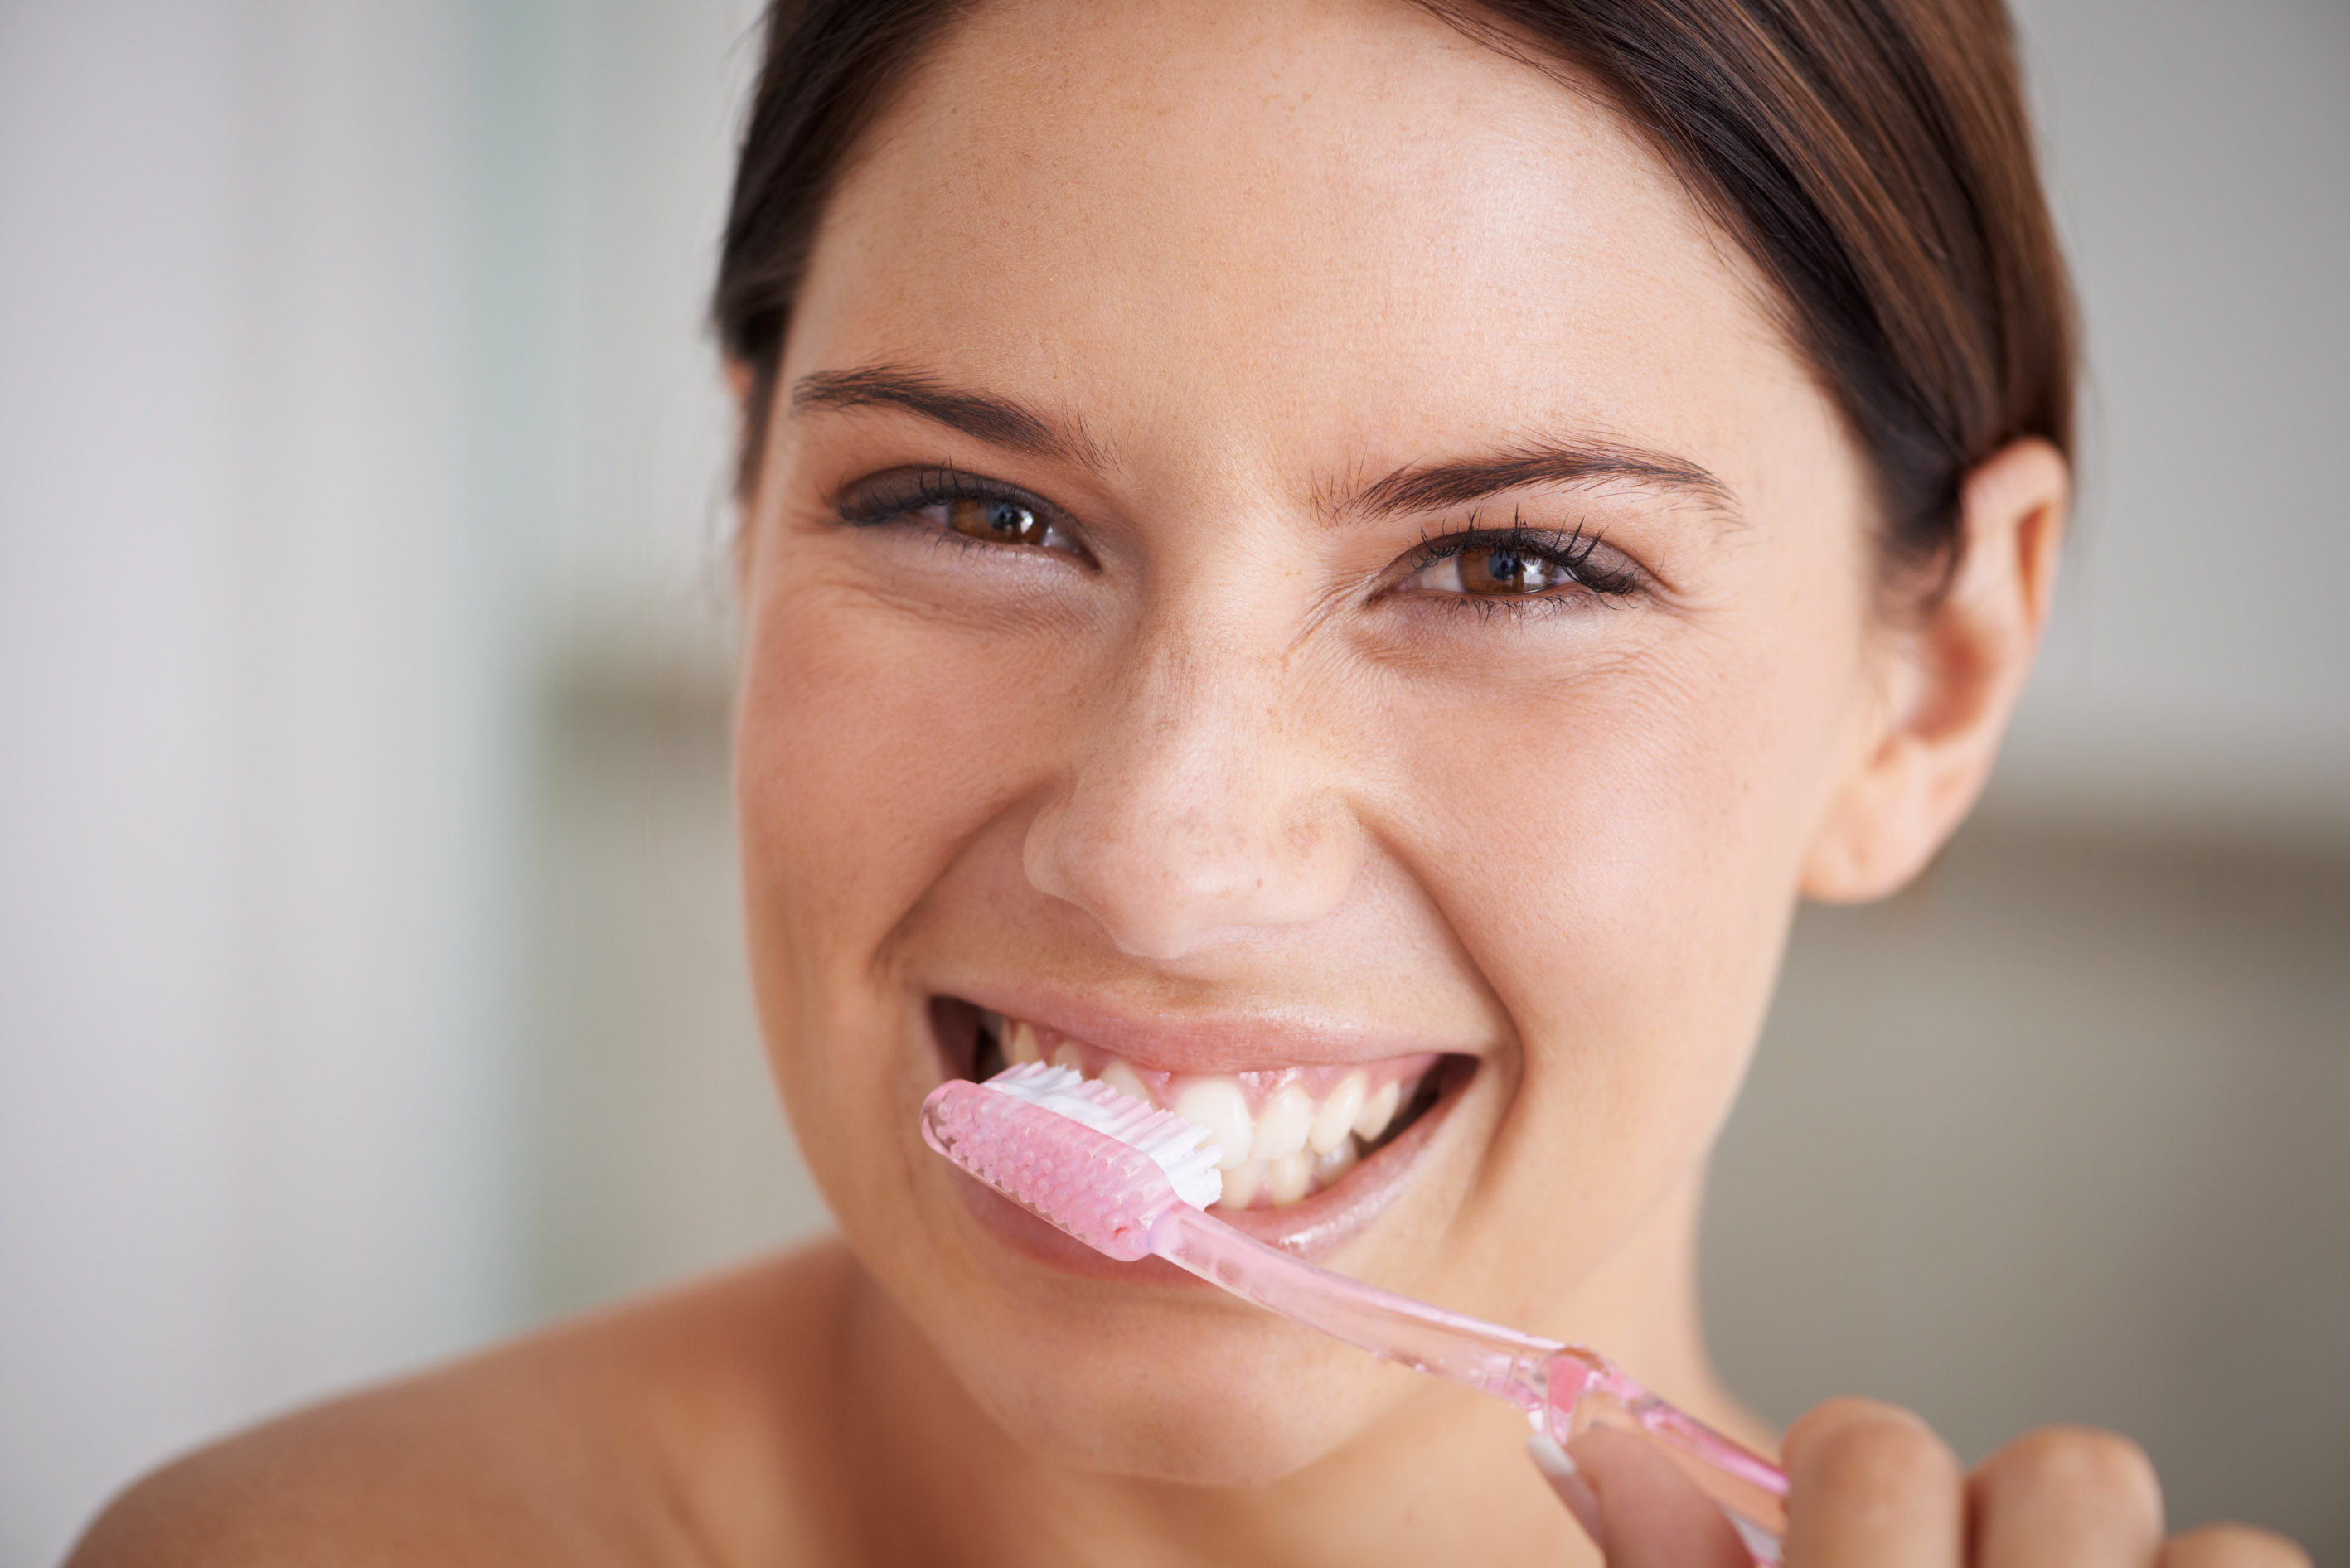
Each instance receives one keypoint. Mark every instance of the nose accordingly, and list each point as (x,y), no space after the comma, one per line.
(1201,804)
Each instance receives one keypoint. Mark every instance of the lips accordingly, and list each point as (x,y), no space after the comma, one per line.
(1313,1150)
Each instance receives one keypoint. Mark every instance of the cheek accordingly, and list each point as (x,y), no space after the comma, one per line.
(861,754)
(875,743)
(1620,853)
(867,748)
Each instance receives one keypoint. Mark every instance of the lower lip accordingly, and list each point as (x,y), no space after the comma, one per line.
(1312,1227)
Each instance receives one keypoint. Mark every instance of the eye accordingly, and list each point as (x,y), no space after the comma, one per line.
(1518,564)
(1486,569)
(964,506)
(992,517)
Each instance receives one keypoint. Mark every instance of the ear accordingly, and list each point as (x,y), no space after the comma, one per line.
(1950,683)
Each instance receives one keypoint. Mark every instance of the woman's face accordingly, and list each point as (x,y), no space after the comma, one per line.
(1287,550)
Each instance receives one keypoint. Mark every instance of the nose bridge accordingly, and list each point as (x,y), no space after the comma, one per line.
(1198,800)
(1196,744)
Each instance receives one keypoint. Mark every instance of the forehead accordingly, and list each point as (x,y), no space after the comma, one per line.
(1260,223)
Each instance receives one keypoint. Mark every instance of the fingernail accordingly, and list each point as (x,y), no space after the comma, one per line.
(1565,1477)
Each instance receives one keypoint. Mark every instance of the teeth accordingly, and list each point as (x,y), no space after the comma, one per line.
(1242,1185)
(1290,1178)
(1282,1126)
(1218,1104)
(1287,1147)
(1126,1080)
(1334,1121)
(1329,1166)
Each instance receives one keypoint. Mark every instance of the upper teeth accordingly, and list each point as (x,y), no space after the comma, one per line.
(1285,1146)
(1217,1104)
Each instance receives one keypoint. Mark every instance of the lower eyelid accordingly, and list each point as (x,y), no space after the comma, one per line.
(1516,606)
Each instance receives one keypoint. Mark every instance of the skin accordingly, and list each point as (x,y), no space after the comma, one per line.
(1229,767)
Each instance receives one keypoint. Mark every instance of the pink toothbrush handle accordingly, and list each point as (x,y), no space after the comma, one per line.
(1565,1389)
(1584,1390)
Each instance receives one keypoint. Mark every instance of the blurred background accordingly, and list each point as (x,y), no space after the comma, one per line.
(369,983)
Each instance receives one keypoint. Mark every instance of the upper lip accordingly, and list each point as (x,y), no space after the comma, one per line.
(1196,1040)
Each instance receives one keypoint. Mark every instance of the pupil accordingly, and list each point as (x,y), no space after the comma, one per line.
(1004,522)
(1499,571)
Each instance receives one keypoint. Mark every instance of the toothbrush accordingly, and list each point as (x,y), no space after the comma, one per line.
(1131,1180)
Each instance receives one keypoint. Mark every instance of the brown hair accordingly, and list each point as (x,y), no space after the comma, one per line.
(1873,157)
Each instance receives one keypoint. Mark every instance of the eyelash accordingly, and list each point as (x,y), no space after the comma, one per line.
(1570,551)
(892,498)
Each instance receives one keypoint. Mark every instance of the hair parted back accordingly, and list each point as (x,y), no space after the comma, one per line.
(1872,157)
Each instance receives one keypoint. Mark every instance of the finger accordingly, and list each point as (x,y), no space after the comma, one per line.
(1651,1515)
(2067,1497)
(1870,1486)
(1566,1479)
(2231,1546)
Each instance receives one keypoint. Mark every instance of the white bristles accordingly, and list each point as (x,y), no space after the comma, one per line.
(1173,1143)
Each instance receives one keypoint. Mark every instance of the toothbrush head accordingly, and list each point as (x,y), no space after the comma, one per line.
(1102,1166)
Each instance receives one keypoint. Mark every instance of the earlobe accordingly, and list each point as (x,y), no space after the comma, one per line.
(1952,684)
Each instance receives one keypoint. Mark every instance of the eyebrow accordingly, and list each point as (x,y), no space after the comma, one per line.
(998,420)
(1418,487)
(1433,487)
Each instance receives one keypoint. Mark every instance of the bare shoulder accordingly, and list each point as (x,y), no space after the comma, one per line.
(681,1430)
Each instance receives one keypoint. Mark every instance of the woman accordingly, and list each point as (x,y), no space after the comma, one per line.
(1342,562)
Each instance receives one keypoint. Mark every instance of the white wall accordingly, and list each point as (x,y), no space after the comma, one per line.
(121,830)
(350,367)
(258,690)
(2198,672)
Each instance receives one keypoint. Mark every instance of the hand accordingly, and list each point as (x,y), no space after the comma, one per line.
(1872,1487)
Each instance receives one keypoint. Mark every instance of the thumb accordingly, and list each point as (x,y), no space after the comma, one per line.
(1635,1505)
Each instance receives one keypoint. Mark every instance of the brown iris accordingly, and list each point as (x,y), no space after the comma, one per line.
(1003,522)
(1505,569)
